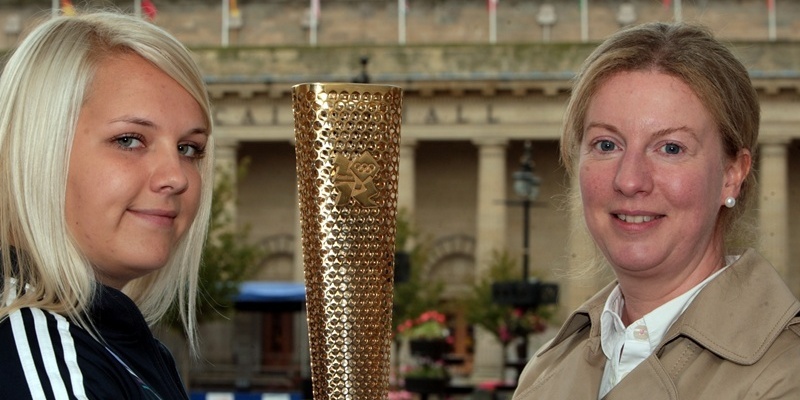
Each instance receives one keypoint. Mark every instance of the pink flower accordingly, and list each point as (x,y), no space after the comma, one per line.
(400,395)
(431,316)
(428,325)
(504,334)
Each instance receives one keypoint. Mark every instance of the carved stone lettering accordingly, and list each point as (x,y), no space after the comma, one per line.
(431,118)
(490,118)
(248,118)
(460,115)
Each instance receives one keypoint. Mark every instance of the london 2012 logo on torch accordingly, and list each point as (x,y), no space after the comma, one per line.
(354,179)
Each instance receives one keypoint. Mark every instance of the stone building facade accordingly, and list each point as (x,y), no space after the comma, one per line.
(469,106)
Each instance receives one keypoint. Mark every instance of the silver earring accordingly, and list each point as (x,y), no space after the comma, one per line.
(730,202)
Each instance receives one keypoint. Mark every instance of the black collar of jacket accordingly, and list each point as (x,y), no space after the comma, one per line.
(737,316)
(116,316)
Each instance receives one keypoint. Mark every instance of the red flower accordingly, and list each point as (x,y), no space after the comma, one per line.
(428,325)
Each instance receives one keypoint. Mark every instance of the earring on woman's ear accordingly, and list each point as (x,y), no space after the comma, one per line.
(730,202)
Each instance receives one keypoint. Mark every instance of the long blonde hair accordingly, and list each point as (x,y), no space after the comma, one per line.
(43,87)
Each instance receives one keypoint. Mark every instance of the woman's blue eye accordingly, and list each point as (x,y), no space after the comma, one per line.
(190,151)
(671,148)
(186,150)
(129,142)
(605,145)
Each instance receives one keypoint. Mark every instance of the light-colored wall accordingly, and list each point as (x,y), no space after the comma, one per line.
(446,188)
(281,22)
(267,203)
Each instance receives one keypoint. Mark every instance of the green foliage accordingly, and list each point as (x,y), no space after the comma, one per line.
(503,321)
(428,369)
(481,310)
(405,232)
(419,294)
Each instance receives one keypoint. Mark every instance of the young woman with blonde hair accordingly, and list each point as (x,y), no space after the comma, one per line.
(105,190)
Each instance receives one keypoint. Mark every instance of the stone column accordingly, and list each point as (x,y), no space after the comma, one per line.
(773,203)
(226,167)
(492,209)
(406,176)
(225,156)
(490,237)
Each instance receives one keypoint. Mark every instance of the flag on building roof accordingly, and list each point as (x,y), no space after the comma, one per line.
(234,9)
(772,23)
(67,8)
(149,9)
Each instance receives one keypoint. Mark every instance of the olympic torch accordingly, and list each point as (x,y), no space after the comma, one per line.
(347,147)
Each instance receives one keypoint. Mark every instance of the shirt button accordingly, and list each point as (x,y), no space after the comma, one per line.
(640,333)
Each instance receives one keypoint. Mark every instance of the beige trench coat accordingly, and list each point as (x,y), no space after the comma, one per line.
(739,339)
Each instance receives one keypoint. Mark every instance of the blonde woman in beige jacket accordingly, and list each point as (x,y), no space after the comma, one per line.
(661,132)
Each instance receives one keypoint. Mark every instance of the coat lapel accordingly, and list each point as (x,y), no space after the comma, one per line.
(716,318)
(648,381)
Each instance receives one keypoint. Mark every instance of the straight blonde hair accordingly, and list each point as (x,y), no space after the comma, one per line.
(42,89)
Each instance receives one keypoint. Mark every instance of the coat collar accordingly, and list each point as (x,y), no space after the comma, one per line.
(750,286)
(588,314)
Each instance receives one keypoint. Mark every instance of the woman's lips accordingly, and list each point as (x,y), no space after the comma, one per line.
(159,217)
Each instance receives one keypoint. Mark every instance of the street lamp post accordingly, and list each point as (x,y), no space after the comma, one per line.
(526,185)
(363,77)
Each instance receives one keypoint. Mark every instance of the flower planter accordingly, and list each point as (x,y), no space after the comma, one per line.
(426,385)
(433,349)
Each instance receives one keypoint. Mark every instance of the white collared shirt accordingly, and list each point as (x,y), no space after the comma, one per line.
(625,348)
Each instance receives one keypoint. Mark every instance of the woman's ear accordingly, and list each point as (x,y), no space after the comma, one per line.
(736,171)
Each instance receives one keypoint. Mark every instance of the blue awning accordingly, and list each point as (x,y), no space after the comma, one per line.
(267,295)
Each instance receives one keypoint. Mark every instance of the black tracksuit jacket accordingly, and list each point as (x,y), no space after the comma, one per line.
(43,356)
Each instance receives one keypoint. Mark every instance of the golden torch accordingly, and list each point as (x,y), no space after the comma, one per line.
(348,138)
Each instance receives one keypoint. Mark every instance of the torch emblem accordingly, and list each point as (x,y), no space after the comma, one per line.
(354,180)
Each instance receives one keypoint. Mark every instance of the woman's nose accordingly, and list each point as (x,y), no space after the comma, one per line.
(633,174)
(168,175)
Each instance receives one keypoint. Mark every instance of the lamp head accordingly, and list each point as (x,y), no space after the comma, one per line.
(527,183)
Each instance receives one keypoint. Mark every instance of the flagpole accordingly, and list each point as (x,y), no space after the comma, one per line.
(226,16)
(584,20)
(493,21)
(137,8)
(312,32)
(55,8)
(678,11)
(401,21)
(772,15)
